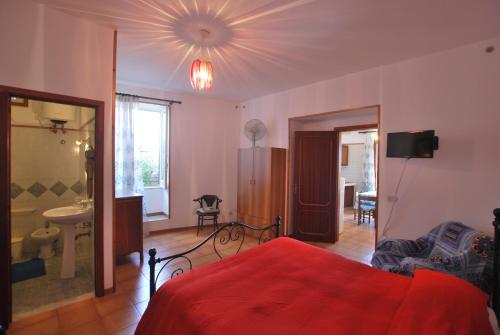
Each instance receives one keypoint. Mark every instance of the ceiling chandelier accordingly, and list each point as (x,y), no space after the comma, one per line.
(201,70)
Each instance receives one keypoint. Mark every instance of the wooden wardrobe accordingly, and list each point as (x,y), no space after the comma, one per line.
(261,185)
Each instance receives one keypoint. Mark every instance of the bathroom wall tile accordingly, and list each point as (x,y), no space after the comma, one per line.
(77,187)
(23,200)
(52,174)
(15,190)
(59,188)
(37,189)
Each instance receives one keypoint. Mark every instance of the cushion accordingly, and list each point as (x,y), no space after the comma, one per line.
(208,210)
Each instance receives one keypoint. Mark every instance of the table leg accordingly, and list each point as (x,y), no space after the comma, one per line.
(359,211)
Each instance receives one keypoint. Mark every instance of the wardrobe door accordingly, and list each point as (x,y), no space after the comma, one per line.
(245,184)
(261,196)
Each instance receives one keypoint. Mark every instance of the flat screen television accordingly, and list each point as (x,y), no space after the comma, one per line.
(413,144)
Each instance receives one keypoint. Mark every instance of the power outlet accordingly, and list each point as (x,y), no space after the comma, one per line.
(392,198)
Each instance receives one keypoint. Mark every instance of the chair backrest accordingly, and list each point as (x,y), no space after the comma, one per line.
(453,237)
(208,200)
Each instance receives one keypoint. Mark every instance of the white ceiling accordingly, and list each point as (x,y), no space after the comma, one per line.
(259,47)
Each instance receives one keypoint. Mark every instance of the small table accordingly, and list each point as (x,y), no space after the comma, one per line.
(368,196)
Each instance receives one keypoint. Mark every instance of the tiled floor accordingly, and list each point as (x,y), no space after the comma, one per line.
(356,242)
(50,289)
(120,312)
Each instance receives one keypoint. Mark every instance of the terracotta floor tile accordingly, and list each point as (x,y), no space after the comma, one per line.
(76,315)
(111,303)
(130,330)
(120,319)
(126,272)
(46,327)
(134,283)
(75,307)
(18,324)
(138,295)
(141,307)
(95,327)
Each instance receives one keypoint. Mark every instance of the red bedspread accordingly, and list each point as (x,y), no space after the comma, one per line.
(289,287)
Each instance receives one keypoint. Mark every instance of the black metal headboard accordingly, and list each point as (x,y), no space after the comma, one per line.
(496,265)
(230,232)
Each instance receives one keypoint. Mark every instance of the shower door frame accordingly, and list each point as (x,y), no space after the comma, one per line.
(5,225)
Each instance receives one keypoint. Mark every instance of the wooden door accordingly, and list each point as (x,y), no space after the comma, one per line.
(315,186)
(5,234)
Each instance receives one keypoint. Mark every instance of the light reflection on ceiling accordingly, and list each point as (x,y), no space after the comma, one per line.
(259,47)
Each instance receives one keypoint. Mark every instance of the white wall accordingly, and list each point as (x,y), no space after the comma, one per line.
(457,94)
(352,172)
(454,92)
(49,51)
(203,154)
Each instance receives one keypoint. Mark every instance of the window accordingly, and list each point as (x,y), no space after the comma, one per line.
(151,126)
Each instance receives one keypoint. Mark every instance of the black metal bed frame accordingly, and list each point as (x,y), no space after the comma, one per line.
(495,296)
(230,232)
(233,231)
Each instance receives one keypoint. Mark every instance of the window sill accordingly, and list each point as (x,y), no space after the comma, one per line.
(154,187)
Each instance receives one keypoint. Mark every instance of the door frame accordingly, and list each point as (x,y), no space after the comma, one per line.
(357,128)
(5,205)
(289,192)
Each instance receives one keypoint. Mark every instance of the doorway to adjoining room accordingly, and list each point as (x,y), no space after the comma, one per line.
(332,182)
(358,188)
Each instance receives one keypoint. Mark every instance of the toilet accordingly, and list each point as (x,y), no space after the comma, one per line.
(16,248)
(45,238)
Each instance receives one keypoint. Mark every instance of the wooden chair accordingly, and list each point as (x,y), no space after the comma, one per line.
(367,210)
(366,207)
(209,210)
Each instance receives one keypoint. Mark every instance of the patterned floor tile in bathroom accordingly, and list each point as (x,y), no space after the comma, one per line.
(32,294)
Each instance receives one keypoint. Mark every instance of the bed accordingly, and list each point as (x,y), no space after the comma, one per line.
(288,287)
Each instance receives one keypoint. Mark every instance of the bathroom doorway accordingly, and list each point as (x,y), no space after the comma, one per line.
(51,195)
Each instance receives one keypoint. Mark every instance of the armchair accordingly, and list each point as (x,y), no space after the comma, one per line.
(450,247)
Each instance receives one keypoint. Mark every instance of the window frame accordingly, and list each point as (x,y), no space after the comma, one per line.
(164,159)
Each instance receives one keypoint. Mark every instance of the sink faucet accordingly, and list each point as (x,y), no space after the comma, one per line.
(47,224)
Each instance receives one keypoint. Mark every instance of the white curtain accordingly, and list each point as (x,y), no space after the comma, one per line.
(128,174)
(165,120)
(368,168)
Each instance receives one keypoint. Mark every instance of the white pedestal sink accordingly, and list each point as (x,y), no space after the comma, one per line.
(68,217)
